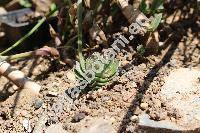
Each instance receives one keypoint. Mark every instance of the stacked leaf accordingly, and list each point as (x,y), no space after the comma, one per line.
(98,69)
(156,10)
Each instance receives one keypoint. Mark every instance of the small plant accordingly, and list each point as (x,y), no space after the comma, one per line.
(108,67)
(105,70)
(35,28)
(155,22)
(52,8)
(155,9)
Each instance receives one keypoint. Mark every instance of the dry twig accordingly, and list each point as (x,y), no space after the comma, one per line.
(18,78)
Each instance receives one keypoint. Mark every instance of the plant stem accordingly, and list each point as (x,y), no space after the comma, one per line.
(80,36)
(40,22)
(17,56)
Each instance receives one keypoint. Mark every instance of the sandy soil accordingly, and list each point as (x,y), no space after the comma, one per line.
(132,92)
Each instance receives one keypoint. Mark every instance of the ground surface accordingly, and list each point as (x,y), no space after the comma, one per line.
(132,92)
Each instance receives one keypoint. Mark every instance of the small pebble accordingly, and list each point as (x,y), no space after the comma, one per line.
(130,128)
(134,118)
(50,93)
(78,117)
(134,84)
(105,98)
(38,103)
(27,125)
(161,44)
(143,106)
(15,87)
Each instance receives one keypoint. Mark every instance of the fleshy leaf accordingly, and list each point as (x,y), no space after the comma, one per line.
(103,76)
(155,22)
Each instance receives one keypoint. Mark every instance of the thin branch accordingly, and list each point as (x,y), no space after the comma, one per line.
(18,78)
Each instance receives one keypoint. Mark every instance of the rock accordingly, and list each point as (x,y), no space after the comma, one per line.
(161,44)
(134,84)
(98,125)
(91,96)
(134,118)
(158,115)
(51,93)
(151,126)
(130,128)
(27,125)
(38,103)
(55,128)
(181,91)
(144,106)
(78,117)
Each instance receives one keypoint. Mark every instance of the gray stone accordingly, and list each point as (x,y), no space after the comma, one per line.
(38,103)
(181,91)
(181,94)
(152,126)
(78,117)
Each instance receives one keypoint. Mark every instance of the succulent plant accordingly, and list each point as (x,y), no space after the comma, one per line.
(155,22)
(155,9)
(98,68)
(101,69)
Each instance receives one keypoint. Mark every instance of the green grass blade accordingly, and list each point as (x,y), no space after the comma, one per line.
(80,34)
(40,22)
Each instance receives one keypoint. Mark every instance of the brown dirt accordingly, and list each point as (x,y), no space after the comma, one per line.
(118,101)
